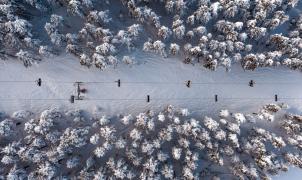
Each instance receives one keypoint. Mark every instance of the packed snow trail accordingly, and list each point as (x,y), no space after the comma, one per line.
(152,69)
(199,97)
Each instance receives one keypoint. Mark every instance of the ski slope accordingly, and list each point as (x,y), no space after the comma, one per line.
(162,79)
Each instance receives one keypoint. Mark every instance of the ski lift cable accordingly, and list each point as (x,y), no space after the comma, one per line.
(152,82)
(28,99)
(17,81)
(60,82)
(156,99)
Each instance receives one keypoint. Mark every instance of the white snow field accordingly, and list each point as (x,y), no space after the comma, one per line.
(260,35)
(293,173)
(162,79)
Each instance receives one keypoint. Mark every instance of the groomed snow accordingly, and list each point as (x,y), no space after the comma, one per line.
(293,173)
(149,68)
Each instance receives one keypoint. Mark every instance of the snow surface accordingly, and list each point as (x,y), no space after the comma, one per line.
(293,173)
(149,68)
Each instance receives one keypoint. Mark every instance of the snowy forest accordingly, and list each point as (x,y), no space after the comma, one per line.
(212,33)
(170,144)
(150,89)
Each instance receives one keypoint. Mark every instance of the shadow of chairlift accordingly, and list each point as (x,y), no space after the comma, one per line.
(251,83)
(39,82)
(188,83)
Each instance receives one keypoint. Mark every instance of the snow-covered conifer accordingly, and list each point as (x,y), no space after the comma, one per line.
(6,127)
(27,58)
(164,32)
(160,48)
